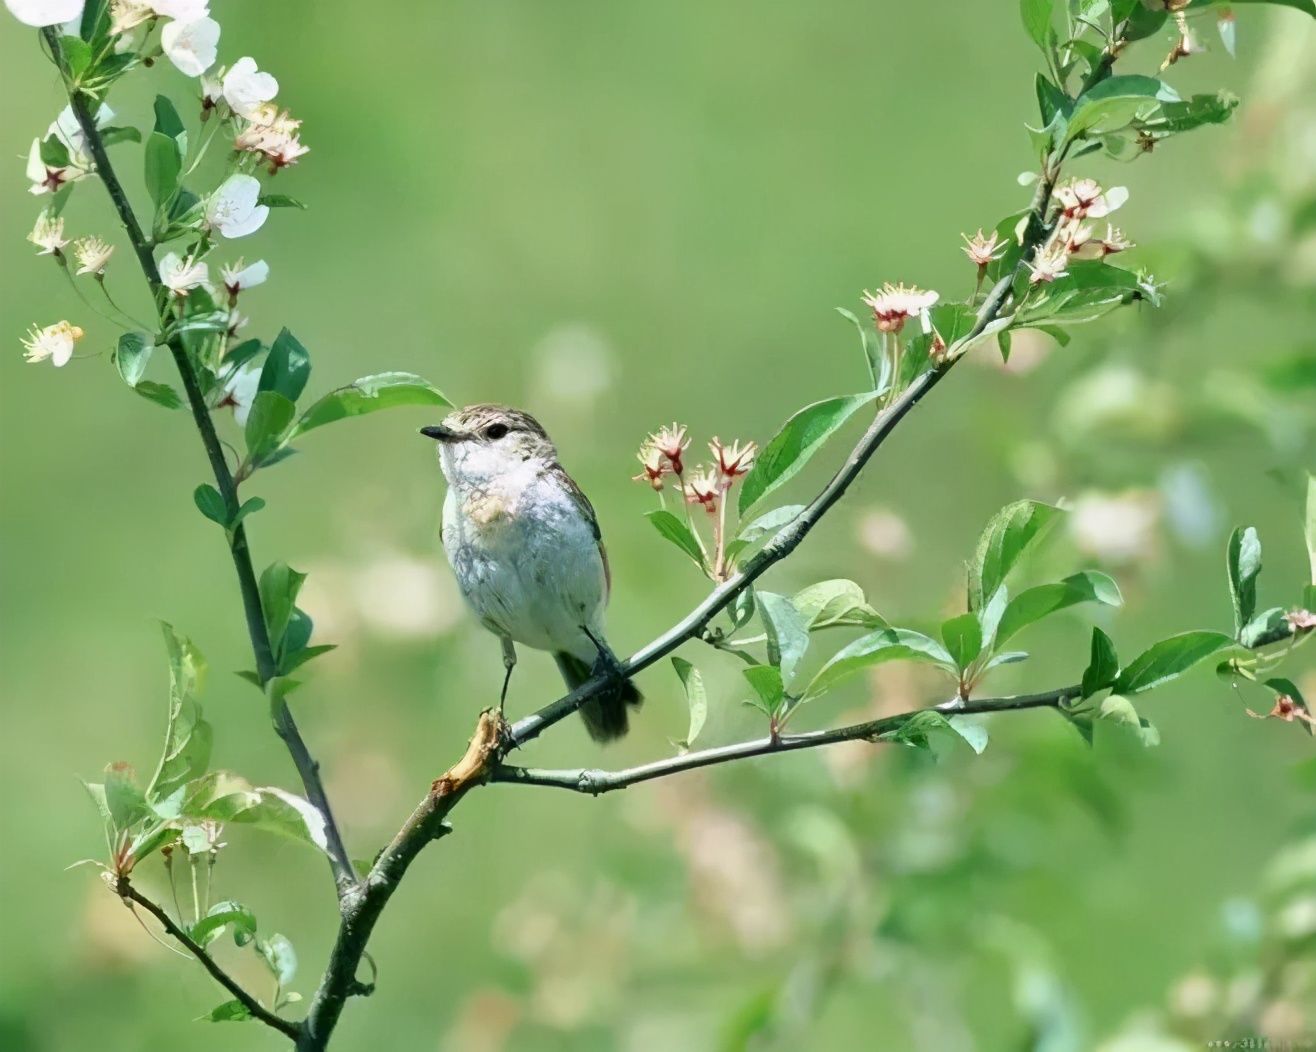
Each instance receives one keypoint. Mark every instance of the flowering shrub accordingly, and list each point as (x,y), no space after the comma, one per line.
(1042,269)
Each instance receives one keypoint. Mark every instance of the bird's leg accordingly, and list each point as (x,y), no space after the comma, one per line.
(605,663)
(509,663)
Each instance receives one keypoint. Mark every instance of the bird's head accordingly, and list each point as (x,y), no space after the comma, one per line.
(481,442)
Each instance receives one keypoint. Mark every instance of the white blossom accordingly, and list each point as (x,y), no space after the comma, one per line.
(234,209)
(55,342)
(191,46)
(93,254)
(240,392)
(893,305)
(48,234)
(41,13)
(246,89)
(181,275)
(181,10)
(237,277)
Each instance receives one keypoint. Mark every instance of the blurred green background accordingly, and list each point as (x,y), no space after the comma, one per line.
(616,215)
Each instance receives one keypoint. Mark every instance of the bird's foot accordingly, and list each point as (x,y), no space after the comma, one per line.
(606,663)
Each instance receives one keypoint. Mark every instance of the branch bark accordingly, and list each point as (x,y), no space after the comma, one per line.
(284,723)
(286,1027)
(594,782)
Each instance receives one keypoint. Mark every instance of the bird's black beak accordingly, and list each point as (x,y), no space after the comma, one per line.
(440,433)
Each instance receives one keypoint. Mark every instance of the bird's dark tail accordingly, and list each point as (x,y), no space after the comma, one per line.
(604,714)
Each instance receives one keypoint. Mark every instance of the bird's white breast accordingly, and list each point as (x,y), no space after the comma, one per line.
(526,558)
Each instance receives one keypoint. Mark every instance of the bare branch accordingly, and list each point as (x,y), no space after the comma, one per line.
(595,782)
(286,1027)
(266,669)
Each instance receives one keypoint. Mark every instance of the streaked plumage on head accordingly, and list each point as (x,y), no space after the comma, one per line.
(524,543)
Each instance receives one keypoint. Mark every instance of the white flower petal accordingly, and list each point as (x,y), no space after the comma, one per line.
(181,10)
(36,168)
(1115,197)
(246,89)
(191,46)
(44,12)
(252,222)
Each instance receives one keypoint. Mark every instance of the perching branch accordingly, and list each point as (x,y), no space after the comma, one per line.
(594,782)
(287,1027)
(284,724)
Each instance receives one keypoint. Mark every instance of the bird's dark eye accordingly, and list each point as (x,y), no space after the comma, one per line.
(495,431)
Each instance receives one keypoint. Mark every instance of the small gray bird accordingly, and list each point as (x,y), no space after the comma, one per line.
(525,546)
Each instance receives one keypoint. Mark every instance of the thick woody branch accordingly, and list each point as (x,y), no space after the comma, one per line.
(284,724)
(594,782)
(287,1027)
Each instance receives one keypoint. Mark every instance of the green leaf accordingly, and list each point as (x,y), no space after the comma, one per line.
(769,523)
(1268,627)
(368,395)
(1174,118)
(1168,659)
(124,801)
(228,1012)
(163,164)
(278,954)
(132,355)
(989,617)
(168,123)
(1243,561)
(1103,666)
(113,134)
(963,638)
(768,687)
(225,797)
(971,730)
(77,55)
(249,507)
(787,631)
(879,366)
(1002,544)
(678,532)
(1115,103)
(188,737)
(211,504)
(287,368)
(1051,101)
(160,394)
(796,443)
(219,917)
(886,644)
(280,201)
(267,425)
(837,603)
(1120,711)
(1036,16)
(1034,604)
(295,660)
(279,585)
(696,698)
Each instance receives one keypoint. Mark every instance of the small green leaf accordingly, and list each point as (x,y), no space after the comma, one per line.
(163,164)
(112,134)
(1309,525)
(1103,666)
(768,687)
(160,394)
(787,631)
(124,801)
(267,425)
(211,504)
(279,585)
(132,355)
(1034,604)
(886,644)
(229,1012)
(796,443)
(837,603)
(769,522)
(963,638)
(220,916)
(696,698)
(678,532)
(249,507)
(368,395)
(287,367)
(1168,659)
(1036,16)
(280,201)
(1014,528)
(188,737)
(1268,627)
(971,730)
(879,366)
(168,123)
(278,954)
(1120,711)
(1244,564)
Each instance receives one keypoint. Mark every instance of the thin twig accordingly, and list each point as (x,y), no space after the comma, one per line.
(594,782)
(266,669)
(286,1027)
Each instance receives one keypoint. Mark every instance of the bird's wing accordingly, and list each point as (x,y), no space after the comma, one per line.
(581,501)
